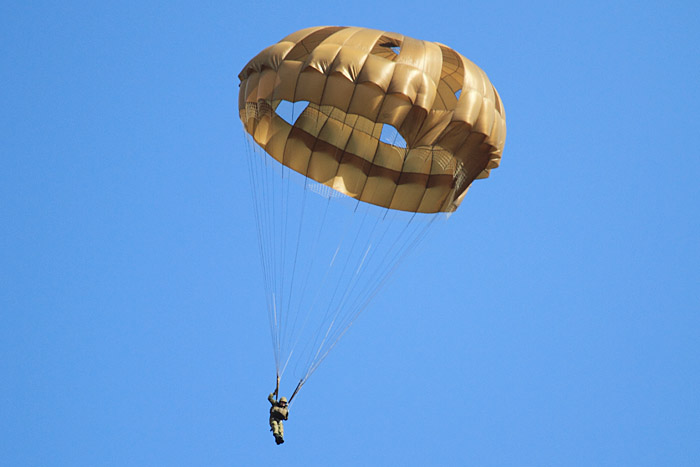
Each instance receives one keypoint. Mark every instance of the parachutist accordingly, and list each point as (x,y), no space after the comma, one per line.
(278,412)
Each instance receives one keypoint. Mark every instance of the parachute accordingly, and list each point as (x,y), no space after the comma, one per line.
(358,140)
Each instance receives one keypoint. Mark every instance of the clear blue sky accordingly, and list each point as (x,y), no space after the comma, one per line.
(553,320)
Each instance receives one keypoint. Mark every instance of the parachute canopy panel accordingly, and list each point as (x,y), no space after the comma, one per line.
(351,87)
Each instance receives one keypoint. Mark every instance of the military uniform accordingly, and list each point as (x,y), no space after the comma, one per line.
(277,414)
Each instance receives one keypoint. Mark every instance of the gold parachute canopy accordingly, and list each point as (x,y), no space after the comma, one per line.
(393,121)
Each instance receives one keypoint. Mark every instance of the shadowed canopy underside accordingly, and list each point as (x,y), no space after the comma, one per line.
(351,85)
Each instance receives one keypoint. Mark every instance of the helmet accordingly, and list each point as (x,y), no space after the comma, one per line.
(283,400)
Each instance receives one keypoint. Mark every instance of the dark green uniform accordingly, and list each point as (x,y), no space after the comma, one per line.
(278,412)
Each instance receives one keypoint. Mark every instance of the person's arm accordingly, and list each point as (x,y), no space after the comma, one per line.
(271,398)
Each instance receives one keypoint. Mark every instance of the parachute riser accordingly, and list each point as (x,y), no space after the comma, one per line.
(277,387)
(301,383)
